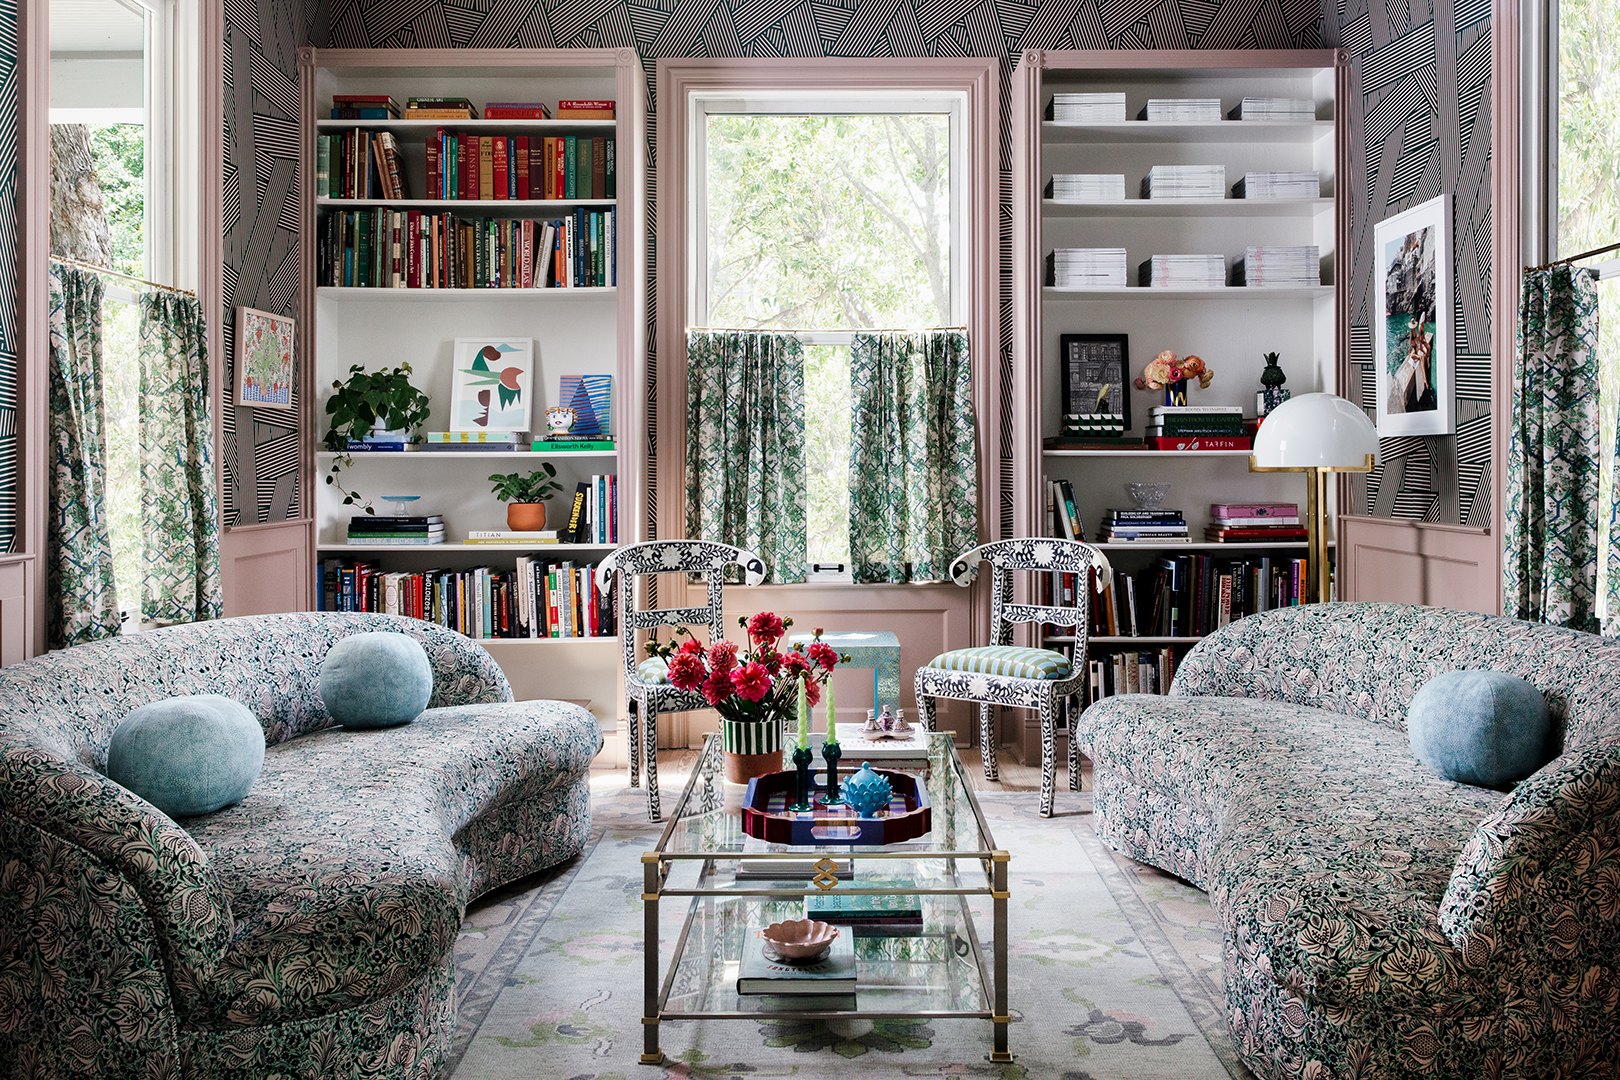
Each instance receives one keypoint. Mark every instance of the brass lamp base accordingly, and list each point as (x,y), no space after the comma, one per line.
(1317,580)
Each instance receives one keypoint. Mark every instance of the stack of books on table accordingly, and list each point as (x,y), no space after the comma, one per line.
(381,443)
(1181,109)
(1087,268)
(1103,108)
(760,869)
(1274,108)
(757,973)
(1087,187)
(903,752)
(1144,527)
(452,441)
(897,914)
(364,107)
(1278,267)
(1185,182)
(397,530)
(1197,427)
(1278,185)
(1254,523)
(1183,272)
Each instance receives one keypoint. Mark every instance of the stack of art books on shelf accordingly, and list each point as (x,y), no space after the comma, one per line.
(1146,671)
(383,248)
(1086,268)
(1197,427)
(397,530)
(1185,182)
(1182,272)
(539,598)
(1107,107)
(1255,523)
(1181,109)
(1086,187)
(364,107)
(1144,526)
(1273,108)
(461,442)
(386,444)
(1279,267)
(1278,185)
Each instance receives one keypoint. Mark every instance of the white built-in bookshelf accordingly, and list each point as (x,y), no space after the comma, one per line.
(1230,328)
(576,331)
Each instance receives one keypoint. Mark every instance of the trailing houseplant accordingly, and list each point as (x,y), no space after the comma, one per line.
(525,496)
(369,401)
(755,690)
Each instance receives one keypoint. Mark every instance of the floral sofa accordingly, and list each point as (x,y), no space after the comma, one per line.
(304,932)
(1380,921)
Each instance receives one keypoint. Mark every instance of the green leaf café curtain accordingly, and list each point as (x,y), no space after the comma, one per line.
(180,579)
(745,459)
(914,470)
(1553,515)
(82,599)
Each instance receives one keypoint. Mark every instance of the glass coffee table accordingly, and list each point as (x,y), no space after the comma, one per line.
(954,965)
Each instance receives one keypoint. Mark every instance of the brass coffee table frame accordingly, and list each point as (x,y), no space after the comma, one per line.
(718,866)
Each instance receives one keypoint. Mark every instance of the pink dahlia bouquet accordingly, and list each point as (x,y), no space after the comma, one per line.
(758,684)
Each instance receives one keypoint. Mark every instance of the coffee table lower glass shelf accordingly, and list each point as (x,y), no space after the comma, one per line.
(951,966)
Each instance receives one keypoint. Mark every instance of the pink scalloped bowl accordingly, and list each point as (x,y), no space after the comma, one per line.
(796,939)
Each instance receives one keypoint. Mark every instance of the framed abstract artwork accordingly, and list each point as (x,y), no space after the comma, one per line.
(1411,321)
(264,359)
(492,384)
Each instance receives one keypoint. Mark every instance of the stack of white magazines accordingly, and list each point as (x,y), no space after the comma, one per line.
(1088,108)
(1279,267)
(1088,268)
(1088,187)
(1278,185)
(1185,182)
(1275,108)
(1183,272)
(1169,109)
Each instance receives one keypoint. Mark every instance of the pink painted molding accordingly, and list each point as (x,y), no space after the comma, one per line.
(33,277)
(1507,251)
(1415,562)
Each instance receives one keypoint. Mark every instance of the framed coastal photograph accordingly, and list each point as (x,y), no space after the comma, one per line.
(1093,376)
(264,359)
(1412,321)
(492,384)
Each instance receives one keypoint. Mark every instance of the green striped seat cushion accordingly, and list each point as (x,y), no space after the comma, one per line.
(653,671)
(1006,660)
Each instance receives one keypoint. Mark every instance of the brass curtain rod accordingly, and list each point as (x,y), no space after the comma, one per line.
(1573,258)
(120,274)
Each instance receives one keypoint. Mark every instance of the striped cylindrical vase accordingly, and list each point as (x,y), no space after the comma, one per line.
(753,748)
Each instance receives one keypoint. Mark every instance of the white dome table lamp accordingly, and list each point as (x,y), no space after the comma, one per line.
(1315,434)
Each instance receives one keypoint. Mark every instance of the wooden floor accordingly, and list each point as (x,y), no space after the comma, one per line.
(673,764)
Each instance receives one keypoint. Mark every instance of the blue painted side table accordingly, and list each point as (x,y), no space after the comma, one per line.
(875,649)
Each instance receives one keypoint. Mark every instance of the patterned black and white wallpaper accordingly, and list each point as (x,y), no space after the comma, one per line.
(1420,117)
(10,301)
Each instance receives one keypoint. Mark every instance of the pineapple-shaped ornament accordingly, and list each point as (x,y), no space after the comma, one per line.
(1274,394)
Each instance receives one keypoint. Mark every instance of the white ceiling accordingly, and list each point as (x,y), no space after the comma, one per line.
(85,26)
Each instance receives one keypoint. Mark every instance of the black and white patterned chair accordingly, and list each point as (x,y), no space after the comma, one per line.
(1001,673)
(646,687)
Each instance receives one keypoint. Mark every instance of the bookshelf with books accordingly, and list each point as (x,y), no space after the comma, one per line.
(1168,200)
(445,188)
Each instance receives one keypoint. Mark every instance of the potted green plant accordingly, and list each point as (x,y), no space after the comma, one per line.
(525,496)
(369,402)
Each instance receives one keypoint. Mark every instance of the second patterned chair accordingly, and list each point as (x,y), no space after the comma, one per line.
(1002,673)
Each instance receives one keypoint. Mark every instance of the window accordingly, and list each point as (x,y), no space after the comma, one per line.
(824,215)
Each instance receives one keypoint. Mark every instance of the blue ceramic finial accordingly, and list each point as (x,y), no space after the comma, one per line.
(866,791)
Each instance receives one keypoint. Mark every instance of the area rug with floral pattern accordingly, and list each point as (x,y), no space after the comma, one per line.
(1114,972)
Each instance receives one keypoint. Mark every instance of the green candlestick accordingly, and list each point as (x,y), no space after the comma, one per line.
(802,757)
(830,753)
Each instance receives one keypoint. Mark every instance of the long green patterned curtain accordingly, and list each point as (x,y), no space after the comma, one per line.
(745,464)
(1553,466)
(913,470)
(83,602)
(179,511)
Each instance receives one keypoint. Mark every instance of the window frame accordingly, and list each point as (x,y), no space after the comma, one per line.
(975,258)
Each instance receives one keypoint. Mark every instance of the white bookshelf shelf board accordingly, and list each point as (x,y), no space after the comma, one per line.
(486,549)
(1188,207)
(419,130)
(451,455)
(349,293)
(1145,453)
(1203,545)
(1238,294)
(469,207)
(1189,131)
(1068,639)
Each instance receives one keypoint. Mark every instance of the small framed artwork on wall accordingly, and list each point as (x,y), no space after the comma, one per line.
(1412,321)
(264,359)
(492,384)
(1094,384)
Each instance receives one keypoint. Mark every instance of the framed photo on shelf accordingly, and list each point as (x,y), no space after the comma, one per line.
(1412,321)
(492,384)
(1093,377)
(264,359)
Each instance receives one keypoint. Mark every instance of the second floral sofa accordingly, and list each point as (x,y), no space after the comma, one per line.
(1380,921)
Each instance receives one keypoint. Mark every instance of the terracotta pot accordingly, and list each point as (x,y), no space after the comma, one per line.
(525,517)
(752,749)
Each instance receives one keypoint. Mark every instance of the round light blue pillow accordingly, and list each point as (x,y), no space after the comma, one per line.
(188,755)
(1484,728)
(377,679)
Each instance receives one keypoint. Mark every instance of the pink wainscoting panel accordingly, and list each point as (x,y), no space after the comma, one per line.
(267,568)
(16,609)
(1409,562)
